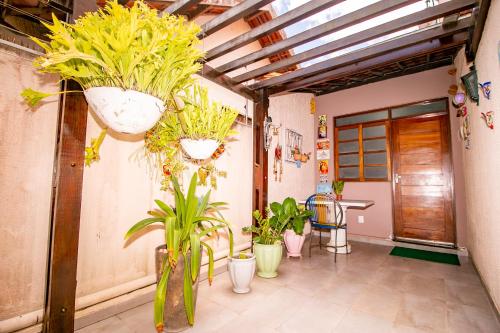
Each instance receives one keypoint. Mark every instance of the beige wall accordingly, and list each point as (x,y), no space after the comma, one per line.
(27,141)
(481,163)
(406,89)
(293,112)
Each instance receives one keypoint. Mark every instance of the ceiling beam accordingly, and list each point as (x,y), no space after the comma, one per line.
(478,29)
(225,81)
(324,29)
(288,18)
(180,6)
(369,52)
(375,63)
(231,15)
(404,22)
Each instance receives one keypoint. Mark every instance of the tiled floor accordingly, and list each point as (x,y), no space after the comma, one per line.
(367,291)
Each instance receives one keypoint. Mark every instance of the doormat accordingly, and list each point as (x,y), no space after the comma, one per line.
(445,258)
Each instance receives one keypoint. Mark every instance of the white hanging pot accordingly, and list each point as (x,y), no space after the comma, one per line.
(125,111)
(199,149)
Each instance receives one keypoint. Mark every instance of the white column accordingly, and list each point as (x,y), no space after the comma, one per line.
(340,236)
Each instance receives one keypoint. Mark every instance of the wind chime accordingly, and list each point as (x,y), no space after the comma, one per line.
(278,156)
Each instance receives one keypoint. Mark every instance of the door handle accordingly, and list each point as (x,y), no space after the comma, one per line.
(397,178)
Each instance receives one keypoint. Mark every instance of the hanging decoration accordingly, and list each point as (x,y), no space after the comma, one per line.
(471,85)
(488,118)
(465,131)
(323,167)
(313,105)
(323,149)
(293,145)
(278,163)
(267,132)
(322,127)
(459,99)
(486,89)
(452,90)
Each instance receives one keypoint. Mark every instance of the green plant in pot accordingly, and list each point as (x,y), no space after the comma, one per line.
(130,62)
(296,217)
(338,188)
(187,225)
(267,242)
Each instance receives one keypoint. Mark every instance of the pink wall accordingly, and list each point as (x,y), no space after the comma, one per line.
(407,89)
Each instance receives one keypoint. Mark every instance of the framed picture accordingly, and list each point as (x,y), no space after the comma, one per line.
(293,141)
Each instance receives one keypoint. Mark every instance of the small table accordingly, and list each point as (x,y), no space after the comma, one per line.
(345,204)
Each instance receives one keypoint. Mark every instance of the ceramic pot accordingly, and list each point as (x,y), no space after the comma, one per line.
(125,111)
(199,149)
(241,272)
(175,318)
(293,243)
(268,258)
(338,196)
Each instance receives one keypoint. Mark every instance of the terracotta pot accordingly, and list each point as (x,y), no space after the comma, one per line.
(241,272)
(338,196)
(293,243)
(175,318)
(125,111)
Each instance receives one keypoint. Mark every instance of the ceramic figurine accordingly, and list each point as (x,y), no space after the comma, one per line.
(486,89)
(488,118)
(458,100)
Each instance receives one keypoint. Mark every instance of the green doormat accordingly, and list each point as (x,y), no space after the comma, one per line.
(445,258)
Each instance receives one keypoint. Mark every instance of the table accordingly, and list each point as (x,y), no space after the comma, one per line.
(345,204)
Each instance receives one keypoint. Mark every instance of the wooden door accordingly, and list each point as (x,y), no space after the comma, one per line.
(422,180)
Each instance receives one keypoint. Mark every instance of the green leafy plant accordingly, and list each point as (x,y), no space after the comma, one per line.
(204,119)
(289,211)
(186,226)
(130,48)
(268,230)
(338,186)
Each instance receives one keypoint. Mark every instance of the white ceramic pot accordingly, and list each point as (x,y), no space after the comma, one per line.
(125,111)
(199,149)
(241,272)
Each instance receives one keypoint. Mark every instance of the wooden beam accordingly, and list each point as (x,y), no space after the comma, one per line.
(260,155)
(288,18)
(374,63)
(478,29)
(60,303)
(369,52)
(225,81)
(404,22)
(180,6)
(233,14)
(324,29)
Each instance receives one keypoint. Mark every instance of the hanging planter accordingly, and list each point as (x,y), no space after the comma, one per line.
(199,149)
(125,111)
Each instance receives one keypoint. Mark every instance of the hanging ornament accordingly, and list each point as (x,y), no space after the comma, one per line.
(267,132)
(313,105)
(462,112)
(488,118)
(458,100)
(278,162)
(471,85)
(452,90)
(486,89)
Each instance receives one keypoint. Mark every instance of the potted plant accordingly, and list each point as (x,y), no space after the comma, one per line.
(267,243)
(241,271)
(296,154)
(204,124)
(338,188)
(130,62)
(295,218)
(178,261)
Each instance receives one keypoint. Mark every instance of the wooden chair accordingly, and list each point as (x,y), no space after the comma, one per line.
(327,215)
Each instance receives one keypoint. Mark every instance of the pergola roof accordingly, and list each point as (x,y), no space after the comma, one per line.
(439,32)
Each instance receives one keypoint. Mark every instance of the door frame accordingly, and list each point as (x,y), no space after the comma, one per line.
(451,180)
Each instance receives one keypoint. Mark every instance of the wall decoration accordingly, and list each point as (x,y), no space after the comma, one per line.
(278,162)
(486,89)
(313,105)
(323,188)
(452,90)
(323,149)
(293,145)
(471,85)
(323,144)
(323,167)
(322,127)
(323,154)
(459,99)
(488,118)
(465,131)
(462,112)
(267,132)
(323,178)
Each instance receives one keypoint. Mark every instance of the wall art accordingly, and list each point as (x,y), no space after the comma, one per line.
(488,118)
(322,127)
(323,178)
(293,145)
(323,154)
(486,89)
(323,167)
(324,188)
(323,144)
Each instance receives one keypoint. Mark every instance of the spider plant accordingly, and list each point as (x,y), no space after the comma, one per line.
(187,225)
(130,48)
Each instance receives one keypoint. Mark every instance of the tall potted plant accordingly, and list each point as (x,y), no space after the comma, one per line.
(178,261)
(130,62)
(267,243)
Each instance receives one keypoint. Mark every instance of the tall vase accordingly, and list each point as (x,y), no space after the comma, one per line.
(293,243)
(174,314)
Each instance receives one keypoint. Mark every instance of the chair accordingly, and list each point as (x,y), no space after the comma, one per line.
(327,215)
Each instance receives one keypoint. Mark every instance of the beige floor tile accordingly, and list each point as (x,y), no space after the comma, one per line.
(422,313)
(357,322)
(423,286)
(467,295)
(379,302)
(110,325)
(465,318)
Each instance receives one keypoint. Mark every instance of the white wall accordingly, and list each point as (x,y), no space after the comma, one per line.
(482,162)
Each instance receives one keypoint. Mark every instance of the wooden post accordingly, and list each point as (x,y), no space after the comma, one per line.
(60,301)
(260,157)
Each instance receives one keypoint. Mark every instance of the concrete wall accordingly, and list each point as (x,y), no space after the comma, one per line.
(481,163)
(293,112)
(27,141)
(406,89)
